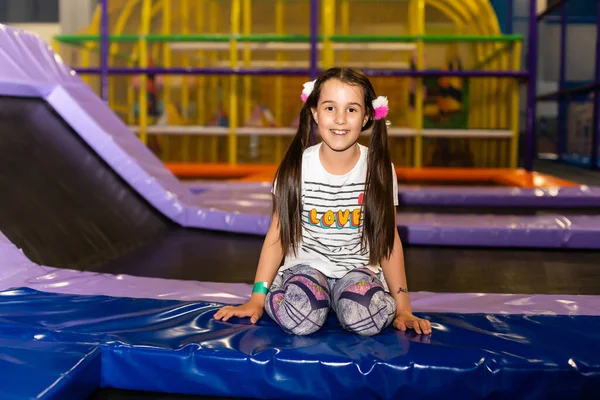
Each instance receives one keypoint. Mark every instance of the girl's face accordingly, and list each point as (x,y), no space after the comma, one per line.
(340,114)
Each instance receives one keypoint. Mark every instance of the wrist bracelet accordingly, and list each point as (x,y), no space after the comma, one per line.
(260,287)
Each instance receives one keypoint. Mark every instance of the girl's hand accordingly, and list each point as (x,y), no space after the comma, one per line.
(252,309)
(406,320)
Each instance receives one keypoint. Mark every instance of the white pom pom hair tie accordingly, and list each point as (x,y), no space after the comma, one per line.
(308,88)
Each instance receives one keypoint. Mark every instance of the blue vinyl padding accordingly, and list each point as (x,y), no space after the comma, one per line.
(41,369)
(176,347)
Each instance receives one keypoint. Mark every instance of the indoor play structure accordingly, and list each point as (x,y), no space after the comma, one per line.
(99,239)
(230,72)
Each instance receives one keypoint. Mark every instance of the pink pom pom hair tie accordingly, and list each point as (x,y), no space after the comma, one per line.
(380,105)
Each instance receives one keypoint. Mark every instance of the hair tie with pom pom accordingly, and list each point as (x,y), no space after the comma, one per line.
(380,105)
(308,88)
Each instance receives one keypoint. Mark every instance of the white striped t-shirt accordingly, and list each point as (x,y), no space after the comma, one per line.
(332,217)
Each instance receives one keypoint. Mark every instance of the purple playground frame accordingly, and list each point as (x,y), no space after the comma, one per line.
(104,51)
(294,71)
(594,162)
(532,51)
(314,39)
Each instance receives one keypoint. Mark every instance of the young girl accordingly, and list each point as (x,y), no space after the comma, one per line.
(334,220)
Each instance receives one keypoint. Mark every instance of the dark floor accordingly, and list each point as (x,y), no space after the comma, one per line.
(225,257)
(580,175)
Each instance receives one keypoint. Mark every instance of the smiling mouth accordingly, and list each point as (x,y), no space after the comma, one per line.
(339,131)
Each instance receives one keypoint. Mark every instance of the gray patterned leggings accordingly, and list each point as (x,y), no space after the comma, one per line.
(299,301)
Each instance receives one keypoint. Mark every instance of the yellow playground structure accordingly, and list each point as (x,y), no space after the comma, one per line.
(450,120)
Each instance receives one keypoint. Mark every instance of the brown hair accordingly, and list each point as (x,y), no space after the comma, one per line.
(378,207)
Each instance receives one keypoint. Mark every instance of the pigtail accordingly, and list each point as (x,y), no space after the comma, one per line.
(378,213)
(287,201)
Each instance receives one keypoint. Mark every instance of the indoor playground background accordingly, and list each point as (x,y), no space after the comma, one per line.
(203,117)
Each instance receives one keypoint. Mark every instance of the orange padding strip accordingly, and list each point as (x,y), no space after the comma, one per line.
(504,177)
(526,179)
(215,171)
(265,176)
(266,173)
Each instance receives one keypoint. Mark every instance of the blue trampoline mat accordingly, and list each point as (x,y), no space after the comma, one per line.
(176,347)
(32,369)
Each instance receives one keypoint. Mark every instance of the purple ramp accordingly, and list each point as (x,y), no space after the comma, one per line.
(122,150)
(28,67)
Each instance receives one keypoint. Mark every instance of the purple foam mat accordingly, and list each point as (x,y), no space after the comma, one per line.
(538,231)
(549,231)
(564,197)
(16,270)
